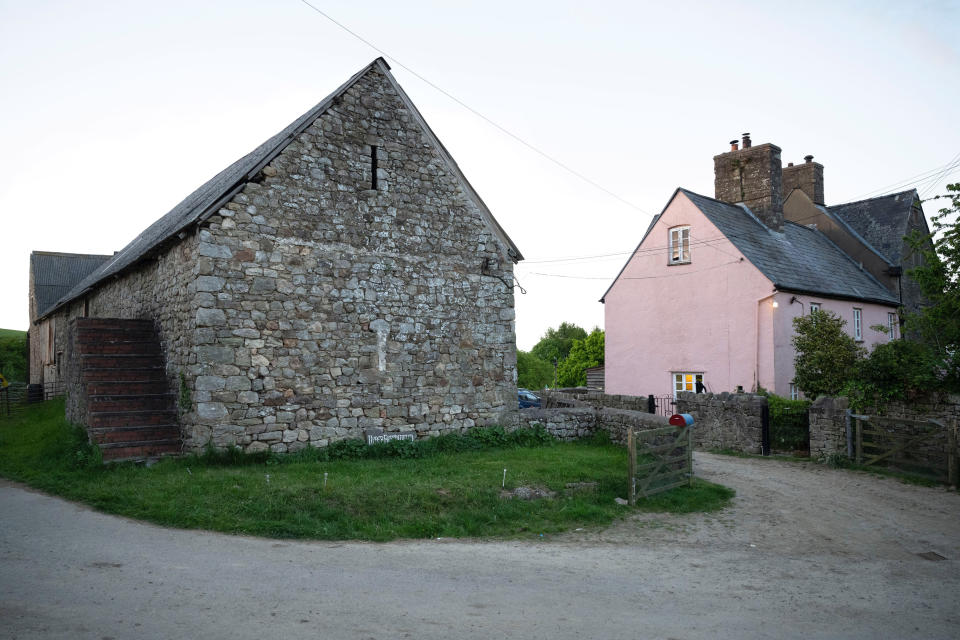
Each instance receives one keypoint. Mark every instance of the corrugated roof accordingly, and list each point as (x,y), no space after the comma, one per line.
(798,259)
(883,222)
(55,274)
(208,199)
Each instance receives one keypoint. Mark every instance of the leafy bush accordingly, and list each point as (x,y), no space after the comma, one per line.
(532,372)
(826,356)
(584,354)
(897,370)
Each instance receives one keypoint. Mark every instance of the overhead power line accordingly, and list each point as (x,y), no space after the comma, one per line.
(489,121)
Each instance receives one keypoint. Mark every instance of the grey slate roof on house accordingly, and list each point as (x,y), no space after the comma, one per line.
(882,221)
(208,199)
(799,259)
(55,274)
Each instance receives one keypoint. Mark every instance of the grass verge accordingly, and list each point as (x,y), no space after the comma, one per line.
(308,495)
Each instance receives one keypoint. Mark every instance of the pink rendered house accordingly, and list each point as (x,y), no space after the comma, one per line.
(710,292)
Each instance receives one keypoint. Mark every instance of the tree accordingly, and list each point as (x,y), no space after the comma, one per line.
(532,372)
(895,370)
(583,355)
(826,355)
(556,343)
(938,324)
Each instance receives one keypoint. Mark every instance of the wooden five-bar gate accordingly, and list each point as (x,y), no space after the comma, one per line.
(910,443)
(659,459)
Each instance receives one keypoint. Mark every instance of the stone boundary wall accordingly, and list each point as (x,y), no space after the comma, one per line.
(828,426)
(721,420)
(725,420)
(590,397)
(582,422)
(828,430)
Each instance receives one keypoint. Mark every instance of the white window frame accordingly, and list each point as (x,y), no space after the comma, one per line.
(794,392)
(858,324)
(679,238)
(679,379)
(814,306)
(892,325)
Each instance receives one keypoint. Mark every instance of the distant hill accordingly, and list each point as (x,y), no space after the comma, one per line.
(13,354)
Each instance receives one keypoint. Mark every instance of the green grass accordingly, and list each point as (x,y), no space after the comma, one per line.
(13,354)
(437,495)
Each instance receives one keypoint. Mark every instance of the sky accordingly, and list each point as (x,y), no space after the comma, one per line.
(113,112)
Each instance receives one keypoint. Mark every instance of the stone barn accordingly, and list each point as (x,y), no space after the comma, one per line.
(342,277)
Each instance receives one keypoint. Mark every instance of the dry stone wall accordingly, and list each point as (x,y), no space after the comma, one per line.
(325,306)
(582,422)
(725,420)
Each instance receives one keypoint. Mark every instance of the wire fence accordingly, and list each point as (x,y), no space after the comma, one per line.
(16,397)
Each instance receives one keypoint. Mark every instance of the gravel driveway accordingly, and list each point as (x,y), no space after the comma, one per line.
(805,552)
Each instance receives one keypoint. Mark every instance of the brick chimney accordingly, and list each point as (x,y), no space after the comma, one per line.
(808,177)
(752,175)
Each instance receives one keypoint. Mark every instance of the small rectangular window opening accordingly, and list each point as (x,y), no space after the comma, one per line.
(679,245)
(857,324)
(373,166)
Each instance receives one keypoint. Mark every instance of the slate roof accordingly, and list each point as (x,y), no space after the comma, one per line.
(210,197)
(882,221)
(798,259)
(55,274)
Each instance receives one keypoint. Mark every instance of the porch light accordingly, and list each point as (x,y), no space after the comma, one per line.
(775,304)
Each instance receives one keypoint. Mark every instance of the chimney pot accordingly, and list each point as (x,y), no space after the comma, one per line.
(808,158)
(746,141)
(789,164)
(734,145)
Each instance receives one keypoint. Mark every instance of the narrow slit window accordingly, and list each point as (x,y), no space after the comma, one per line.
(857,324)
(373,166)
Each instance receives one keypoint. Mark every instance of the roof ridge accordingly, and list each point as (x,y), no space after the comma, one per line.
(66,254)
(888,195)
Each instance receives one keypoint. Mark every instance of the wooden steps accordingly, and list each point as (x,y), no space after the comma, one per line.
(131,413)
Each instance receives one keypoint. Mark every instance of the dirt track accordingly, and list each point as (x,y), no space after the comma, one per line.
(804,552)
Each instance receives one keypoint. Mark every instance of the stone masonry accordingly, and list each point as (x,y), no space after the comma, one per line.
(354,283)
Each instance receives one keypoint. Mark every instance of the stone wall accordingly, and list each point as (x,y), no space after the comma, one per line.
(828,427)
(582,422)
(327,306)
(725,420)
(828,431)
(581,395)
(161,289)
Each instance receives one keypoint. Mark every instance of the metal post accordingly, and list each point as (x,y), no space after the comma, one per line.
(849,434)
(952,471)
(859,440)
(765,430)
(631,468)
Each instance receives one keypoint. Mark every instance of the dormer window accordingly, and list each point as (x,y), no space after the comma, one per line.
(679,245)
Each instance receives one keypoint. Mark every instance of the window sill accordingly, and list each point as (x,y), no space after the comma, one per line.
(678,262)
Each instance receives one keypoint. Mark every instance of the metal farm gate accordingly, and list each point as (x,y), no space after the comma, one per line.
(658,460)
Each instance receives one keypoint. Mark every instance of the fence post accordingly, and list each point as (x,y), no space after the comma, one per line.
(651,404)
(631,467)
(690,452)
(952,470)
(859,440)
(765,430)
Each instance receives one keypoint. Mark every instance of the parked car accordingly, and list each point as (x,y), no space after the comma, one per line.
(528,398)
